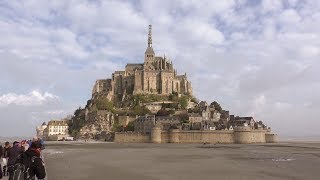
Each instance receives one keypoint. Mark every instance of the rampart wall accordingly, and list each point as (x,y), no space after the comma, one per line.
(240,136)
(131,137)
(270,138)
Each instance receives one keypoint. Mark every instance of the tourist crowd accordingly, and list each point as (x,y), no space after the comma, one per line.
(22,160)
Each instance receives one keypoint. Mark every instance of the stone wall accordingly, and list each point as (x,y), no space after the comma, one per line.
(165,137)
(55,137)
(244,135)
(138,85)
(271,138)
(131,137)
(258,136)
(223,136)
(240,135)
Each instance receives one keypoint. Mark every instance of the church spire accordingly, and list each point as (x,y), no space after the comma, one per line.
(150,36)
(149,54)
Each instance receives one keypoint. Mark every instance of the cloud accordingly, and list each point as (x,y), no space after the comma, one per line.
(33,98)
(254,57)
(272,5)
(200,32)
(282,106)
(289,16)
(258,104)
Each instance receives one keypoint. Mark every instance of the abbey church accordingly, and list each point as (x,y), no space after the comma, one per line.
(155,76)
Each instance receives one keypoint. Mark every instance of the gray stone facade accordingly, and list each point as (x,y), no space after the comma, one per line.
(155,76)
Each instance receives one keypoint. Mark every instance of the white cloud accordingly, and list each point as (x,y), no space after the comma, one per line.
(248,55)
(33,98)
(272,5)
(282,106)
(310,51)
(289,16)
(237,36)
(292,2)
(258,104)
(201,32)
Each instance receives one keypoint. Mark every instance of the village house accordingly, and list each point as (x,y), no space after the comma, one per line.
(56,129)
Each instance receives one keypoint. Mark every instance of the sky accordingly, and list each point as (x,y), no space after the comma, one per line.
(257,58)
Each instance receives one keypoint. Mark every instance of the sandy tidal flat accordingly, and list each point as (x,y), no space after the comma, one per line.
(80,161)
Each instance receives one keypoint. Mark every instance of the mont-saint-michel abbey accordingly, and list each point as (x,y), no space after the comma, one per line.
(155,76)
(150,102)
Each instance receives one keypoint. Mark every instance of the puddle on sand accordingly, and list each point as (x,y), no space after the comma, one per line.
(283,159)
(52,151)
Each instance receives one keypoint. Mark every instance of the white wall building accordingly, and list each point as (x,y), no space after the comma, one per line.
(56,128)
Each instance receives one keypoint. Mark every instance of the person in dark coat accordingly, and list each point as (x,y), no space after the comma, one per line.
(37,168)
(1,152)
(5,155)
(13,154)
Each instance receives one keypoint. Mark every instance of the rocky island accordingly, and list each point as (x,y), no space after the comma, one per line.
(151,102)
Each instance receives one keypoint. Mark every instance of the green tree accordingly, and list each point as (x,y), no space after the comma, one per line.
(195,100)
(140,111)
(130,126)
(174,97)
(184,118)
(171,111)
(194,110)
(183,101)
(116,127)
(88,103)
(217,106)
(162,112)
(76,122)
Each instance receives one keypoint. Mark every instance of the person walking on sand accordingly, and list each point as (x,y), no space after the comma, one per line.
(13,154)
(5,157)
(32,161)
(24,145)
(1,152)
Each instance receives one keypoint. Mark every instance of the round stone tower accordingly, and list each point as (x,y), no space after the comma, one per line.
(242,135)
(271,138)
(156,135)
(174,135)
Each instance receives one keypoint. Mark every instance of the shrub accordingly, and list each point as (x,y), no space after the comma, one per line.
(104,104)
(217,106)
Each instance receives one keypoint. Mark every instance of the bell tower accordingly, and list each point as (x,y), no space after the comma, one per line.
(149,54)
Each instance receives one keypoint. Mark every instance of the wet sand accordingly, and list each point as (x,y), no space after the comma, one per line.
(79,161)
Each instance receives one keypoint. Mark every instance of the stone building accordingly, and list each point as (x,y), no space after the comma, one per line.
(144,124)
(242,121)
(155,76)
(210,114)
(154,107)
(207,118)
(56,129)
(195,118)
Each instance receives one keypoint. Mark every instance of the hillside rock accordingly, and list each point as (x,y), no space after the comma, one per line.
(98,125)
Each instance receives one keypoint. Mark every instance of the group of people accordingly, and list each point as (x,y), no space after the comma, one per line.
(23,159)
